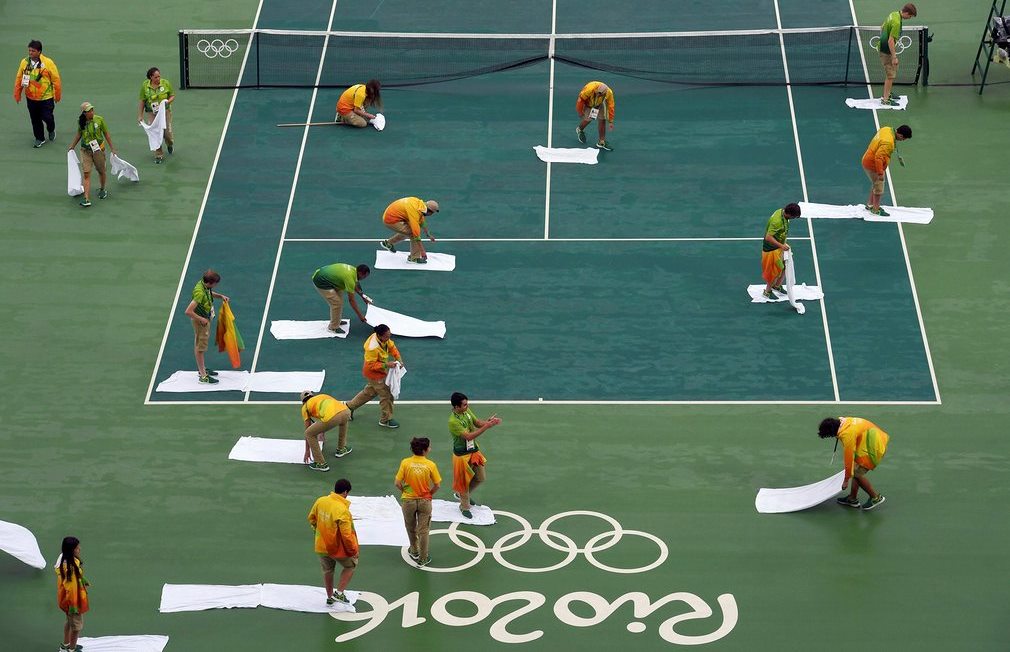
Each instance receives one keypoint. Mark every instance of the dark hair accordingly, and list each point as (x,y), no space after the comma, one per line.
(82,120)
(905,131)
(373,95)
(306,395)
(151,71)
(792,210)
(829,428)
(68,568)
(210,276)
(910,10)
(35,44)
(341,486)
(457,399)
(419,444)
(381,329)
(363,270)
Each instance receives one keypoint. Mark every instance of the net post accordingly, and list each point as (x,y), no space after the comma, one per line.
(924,58)
(853,34)
(254,38)
(183,62)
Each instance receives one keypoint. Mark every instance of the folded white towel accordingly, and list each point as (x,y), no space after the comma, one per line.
(189,381)
(402,324)
(144,643)
(874,103)
(260,449)
(587,155)
(307,330)
(398,260)
(794,499)
(859,211)
(289,597)
(21,544)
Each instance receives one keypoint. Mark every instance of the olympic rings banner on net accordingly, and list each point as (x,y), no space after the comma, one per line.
(217,48)
(902,44)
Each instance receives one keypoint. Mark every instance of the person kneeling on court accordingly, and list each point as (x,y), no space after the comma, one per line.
(595,98)
(351,105)
(863,445)
(381,354)
(773,268)
(876,158)
(467,460)
(322,412)
(336,540)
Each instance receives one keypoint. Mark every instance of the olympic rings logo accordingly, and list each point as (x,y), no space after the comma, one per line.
(217,48)
(902,44)
(550,538)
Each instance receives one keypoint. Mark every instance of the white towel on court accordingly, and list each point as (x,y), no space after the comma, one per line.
(286,329)
(156,130)
(379,122)
(189,381)
(261,449)
(289,597)
(447,511)
(587,155)
(402,324)
(398,260)
(794,499)
(378,521)
(122,169)
(286,382)
(858,211)
(874,103)
(20,543)
(801,292)
(143,643)
(75,183)
(393,378)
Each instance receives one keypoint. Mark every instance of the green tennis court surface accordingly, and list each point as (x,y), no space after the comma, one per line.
(625,513)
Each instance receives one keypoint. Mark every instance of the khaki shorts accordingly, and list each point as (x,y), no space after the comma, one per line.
(890,68)
(202,332)
(859,471)
(353,119)
(90,159)
(76,622)
(329,564)
(587,114)
(876,181)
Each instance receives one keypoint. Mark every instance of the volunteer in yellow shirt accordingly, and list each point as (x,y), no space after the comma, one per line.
(321,413)
(336,541)
(876,159)
(351,105)
(39,81)
(595,102)
(407,216)
(863,447)
(418,480)
(381,354)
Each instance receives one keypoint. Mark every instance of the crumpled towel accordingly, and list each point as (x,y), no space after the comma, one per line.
(156,130)
(379,122)
(122,170)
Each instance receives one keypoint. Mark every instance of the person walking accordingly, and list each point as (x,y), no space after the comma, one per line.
(92,133)
(321,413)
(467,461)
(336,541)
(154,90)
(71,592)
(38,80)
(418,479)
(863,447)
(381,355)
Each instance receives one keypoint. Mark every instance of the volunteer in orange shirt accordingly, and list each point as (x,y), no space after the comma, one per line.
(351,105)
(407,216)
(876,159)
(39,80)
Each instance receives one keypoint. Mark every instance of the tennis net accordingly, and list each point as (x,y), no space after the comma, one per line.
(291,59)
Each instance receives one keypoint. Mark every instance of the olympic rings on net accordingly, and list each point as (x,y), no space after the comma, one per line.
(902,44)
(550,538)
(217,48)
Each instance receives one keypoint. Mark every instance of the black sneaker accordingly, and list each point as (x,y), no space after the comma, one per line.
(52,135)
(39,143)
(845,501)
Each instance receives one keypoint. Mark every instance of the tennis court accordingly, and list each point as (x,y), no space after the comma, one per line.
(620,282)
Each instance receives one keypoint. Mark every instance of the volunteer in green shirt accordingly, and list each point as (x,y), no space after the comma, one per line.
(154,90)
(773,269)
(467,460)
(890,33)
(201,311)
(332,281)
(92,134)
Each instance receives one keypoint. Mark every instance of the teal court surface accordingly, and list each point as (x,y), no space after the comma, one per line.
(619,282)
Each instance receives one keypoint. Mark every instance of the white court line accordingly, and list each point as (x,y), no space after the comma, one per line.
(203,206)
(901,231)
(810,222)
(550,121)
(291,198)
(750,239)
(563,402)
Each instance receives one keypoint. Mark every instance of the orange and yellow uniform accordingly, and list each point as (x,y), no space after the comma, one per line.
(71,588)
(322,407)
(863,443)
(352,98)
(589,98)
(43,80)
(878,153)
(331,518)
(378,356)
(771,256)
(409,210)
(465,452)
(417,474)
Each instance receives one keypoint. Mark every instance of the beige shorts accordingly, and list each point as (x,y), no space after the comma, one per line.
(353,119)
(587,114)
(877,181)
(859,471)
(90,159)
(202,332)
(329,564)
(76,622)
(890,68)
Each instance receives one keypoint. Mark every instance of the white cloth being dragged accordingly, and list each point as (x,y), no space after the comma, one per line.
(75,183)
(307,330)
(858,211)
(794,499)
(20,543)
(587,155)
(802,292)
(379,122)
(284,382)
(143,643)
(156,130)
(289,597)
(261,449)
(874,103)
(398,260)
(402,324)
(122,169)
(447,511)
(393,378)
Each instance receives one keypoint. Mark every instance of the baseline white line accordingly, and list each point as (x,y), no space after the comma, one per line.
(810,222)
(901,231)
(291,198)
(748,239)
(203,206)
(574,402)
(550,120)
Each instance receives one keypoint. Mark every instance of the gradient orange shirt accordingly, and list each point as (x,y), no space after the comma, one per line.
(410,210)
(322,407)
(378,356)
(418,475)
(863,442)
(72,592)
(878,153)
(588,97)
(352,98)
(331,518)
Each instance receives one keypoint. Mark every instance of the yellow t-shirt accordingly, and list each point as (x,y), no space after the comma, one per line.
(589,97)
(352,98)
(322,407)
(863,442)
(417,474)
